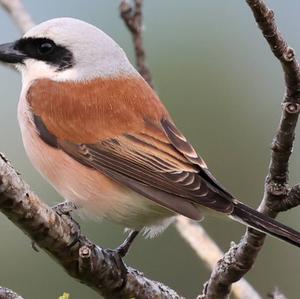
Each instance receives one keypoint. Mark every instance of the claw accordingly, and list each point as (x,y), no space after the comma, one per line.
(34,246)
(65,208)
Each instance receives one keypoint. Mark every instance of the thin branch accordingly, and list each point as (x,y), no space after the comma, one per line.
(19,14)
(8,294)
(206,249)
(101,269)
(133,18)
(240,258)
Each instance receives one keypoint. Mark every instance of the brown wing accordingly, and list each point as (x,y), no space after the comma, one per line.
(145,152)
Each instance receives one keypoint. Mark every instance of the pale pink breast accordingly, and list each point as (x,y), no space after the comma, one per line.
(88,188)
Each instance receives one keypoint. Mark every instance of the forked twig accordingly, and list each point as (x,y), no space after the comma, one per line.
(277,197)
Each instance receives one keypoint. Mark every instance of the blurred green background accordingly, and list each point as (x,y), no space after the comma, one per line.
(218,78)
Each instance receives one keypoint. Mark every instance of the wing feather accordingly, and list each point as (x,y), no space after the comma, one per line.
(126,157)
(125,132)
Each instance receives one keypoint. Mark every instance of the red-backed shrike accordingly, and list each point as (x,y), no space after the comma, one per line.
(101,136)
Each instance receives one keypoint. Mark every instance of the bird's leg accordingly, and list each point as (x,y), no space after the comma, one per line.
(120,252)
(123,249)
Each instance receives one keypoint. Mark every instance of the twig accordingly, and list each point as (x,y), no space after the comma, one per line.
(8,294)
(210,253)
(19,14)
(133,18)
(240,258)
(98,268)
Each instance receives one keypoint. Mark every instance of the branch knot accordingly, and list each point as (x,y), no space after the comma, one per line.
(289,54)
(291,107)
(277,189)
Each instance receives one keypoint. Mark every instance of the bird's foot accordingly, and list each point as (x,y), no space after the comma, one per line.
(123,249)
(119,253)
(65,209)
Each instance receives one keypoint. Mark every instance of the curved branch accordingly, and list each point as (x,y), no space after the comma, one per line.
(99,268)
(206,248)
(19,14)
(240,258)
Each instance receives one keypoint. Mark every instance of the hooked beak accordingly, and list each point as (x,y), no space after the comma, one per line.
(9,54)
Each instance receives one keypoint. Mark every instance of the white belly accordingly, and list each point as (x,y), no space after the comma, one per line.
(95,193)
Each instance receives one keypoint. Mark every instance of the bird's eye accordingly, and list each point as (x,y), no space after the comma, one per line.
(45,48)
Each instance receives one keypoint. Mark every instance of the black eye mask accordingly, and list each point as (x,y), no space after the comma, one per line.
(45,49)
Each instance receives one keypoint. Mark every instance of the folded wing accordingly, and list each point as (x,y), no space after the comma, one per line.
(144,150)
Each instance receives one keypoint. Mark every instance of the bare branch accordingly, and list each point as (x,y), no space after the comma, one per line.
(19,14)
(210,253)
(8,294)
(240,258)
(101,269)
(133,18)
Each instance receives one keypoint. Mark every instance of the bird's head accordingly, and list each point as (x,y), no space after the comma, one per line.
(66,49)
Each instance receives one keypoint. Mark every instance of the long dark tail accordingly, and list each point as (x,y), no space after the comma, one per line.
(256,220)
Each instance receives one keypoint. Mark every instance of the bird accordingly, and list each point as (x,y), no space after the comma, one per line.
(95,129)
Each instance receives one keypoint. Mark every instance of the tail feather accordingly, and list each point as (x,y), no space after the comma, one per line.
(265,224)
